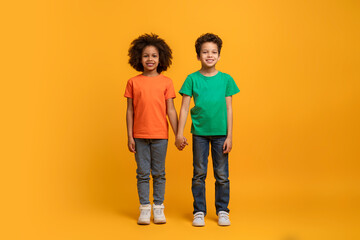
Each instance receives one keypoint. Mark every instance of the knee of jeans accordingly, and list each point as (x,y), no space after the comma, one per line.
(198,181)
(158,175)
(199,176)
(221,178)
(141,174)
(142,177)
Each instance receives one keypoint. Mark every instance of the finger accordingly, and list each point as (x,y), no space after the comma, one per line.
(133,148)
(228,149)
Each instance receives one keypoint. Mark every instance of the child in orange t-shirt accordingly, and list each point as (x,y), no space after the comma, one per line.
(149,99)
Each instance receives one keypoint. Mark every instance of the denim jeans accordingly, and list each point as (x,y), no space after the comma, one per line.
(150,158)
(221,172)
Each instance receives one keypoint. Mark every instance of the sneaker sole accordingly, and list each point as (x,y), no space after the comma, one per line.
(224,225)
(159,221)
(198,225)
(143,222)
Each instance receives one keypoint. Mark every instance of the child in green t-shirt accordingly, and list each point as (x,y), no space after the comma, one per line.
(212,122)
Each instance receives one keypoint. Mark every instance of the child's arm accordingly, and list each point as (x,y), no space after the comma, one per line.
(228,142)
(172,115)
(180,139)
(130,124)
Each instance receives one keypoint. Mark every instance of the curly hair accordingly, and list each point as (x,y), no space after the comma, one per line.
(207,37)
(138,45)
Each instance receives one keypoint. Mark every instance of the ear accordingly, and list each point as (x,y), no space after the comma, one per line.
(219,58)
(198,57)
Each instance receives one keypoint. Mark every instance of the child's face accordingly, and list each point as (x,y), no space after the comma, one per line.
(150,59)
(209,54)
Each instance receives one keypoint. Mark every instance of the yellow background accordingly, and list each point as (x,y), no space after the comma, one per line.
(294,167)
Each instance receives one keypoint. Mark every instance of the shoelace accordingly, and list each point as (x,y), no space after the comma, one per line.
(198,215)
(224,215)
(158,211)
(146,212)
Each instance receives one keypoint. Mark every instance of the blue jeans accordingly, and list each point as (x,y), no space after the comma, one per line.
(221,172)
(150,158)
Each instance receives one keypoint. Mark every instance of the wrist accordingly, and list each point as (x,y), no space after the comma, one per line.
(179,135)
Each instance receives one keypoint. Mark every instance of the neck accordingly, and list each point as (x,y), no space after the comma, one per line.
(153,73)
(208,71)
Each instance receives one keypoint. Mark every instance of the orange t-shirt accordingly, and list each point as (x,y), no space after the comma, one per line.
(149,96)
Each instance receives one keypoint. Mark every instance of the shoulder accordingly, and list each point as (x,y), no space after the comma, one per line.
(192,76)
(226,78)
(135,78)
(225,75)
(165,78)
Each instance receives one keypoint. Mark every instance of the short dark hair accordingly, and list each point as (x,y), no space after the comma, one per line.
(207,37)
(138,45)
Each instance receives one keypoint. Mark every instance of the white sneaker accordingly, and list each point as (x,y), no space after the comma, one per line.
(198,220)
(145,213)
(223,218)
(159,216)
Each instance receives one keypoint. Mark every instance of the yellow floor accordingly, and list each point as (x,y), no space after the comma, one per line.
(253,217)
(272,222)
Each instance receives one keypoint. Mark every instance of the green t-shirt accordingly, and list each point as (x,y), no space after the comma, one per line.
(209,115)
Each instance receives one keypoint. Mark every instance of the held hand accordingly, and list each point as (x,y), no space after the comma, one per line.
(227,145)
(184,143)
(178,142)
(131,145)
(181,142)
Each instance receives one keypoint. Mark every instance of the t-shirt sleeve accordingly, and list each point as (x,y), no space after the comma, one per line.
(187,87)
(129,89)
(170,91)
(231,87)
